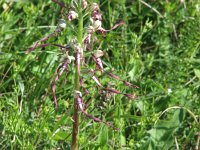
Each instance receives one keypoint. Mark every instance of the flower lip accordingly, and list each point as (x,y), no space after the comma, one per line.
(97,24)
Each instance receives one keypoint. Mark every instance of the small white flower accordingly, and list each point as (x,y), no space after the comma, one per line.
(169,91)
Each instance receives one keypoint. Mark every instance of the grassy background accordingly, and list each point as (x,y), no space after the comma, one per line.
(158,49)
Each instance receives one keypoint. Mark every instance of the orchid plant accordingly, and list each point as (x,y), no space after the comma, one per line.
(81,48)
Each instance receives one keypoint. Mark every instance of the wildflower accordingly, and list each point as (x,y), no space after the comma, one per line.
(97,24)
(96,16)
(169,91)
(99,64)
(84,3)
(74,4)
(72,15)
(95,7)
(78,57)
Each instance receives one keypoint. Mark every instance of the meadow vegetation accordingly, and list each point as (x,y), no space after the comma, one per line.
(157,49)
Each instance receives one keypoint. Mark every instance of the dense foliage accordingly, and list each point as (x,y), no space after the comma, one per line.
(157,49)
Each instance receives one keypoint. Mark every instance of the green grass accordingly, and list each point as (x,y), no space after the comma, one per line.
(158,49)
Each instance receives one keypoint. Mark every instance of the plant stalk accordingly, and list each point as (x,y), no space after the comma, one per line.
(74,144)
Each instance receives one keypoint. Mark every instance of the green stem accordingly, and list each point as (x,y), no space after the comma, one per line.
(74,144)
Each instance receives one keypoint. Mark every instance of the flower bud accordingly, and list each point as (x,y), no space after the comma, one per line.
(95,7)
(84,2)
(72,15)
